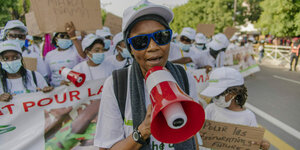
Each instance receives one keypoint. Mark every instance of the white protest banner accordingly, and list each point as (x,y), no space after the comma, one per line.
(242,59)
(25,120)
(201,78)
(52,15)
(226,136)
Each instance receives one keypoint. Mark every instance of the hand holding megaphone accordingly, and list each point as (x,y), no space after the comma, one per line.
(176,117)
(75,77)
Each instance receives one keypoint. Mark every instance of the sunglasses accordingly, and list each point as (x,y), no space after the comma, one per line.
(141,42)
(14,36)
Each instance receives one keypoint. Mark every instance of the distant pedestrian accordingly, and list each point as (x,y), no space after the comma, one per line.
(295,47)
(261,49)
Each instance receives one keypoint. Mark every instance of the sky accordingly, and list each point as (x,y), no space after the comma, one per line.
(118,6)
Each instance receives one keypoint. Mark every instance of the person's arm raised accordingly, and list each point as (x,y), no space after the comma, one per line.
(70,29)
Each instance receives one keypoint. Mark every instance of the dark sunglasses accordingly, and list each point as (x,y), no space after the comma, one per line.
(183,38)
(141,42)
(14,36)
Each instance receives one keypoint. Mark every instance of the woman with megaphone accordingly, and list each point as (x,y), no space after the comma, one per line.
(126,116)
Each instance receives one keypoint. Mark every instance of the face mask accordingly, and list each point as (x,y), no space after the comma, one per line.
(184,47)
(125,53)
(107,44)
(64,43)
(12,66)
(200,47)
(97,58)
(21,42)
(221,101)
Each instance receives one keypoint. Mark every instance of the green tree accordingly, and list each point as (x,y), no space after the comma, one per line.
(218,12)
(13,9)
(280,18)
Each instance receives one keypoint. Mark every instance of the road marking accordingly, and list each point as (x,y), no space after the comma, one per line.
(275,141)
(286,79)
(274,121)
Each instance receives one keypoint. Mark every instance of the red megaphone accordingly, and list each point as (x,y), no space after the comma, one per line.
(176,117)
(76,78)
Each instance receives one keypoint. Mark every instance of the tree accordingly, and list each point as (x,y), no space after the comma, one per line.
(218,12)
(280,18)
(13,9)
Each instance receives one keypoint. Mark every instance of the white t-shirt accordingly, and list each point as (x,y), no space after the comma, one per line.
(204,59)
(111,127)
(41,66)
(176,53)
(216,113)
(56,59)
(16,86)
(117,64)
(98,72)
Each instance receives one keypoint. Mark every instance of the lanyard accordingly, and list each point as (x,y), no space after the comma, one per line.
(182,57)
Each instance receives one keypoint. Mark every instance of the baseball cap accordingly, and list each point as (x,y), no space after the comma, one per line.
(10,45)
(218,42)
(144,8)
(221,79)
(117,38)
(15,24)
(188,32)
(234,38)
(89,40)
(200,38)
(103,33)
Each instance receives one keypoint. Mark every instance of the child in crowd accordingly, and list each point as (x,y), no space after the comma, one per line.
(226,88)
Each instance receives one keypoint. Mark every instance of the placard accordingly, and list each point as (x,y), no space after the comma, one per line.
(52,15)
(229,31)
(226,136)
(30,63)
(207,29)
(114,23)
(32,25)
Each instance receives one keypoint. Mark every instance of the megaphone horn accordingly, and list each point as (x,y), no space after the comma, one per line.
(75,77)
(176,117)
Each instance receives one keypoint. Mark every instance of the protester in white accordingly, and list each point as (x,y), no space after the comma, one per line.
(229,94)
(16,30)
(96,67)
(15,78)
(231,49)
(139,21)
(65,55)
(200,42)
(32,46)
(187,37)
(122,57)
(210,58)
(105,33)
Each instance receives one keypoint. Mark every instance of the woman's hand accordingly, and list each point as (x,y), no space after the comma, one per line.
(47,89)
(208,69)
(144,127)
(5,97)
(70,29)
(63,82)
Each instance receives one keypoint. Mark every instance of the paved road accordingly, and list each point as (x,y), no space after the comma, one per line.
(276,92)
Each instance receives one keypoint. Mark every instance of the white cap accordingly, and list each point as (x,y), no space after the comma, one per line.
(15,24)
(221,79)
(200,38)
(103,33)
(10,45)
(106,29)
(29,37)
(218,42)
(89,39)
(234,38)
(251,38)
(144,8)
(117,38)
(188,32)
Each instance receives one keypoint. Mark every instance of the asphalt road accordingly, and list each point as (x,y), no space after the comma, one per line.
(276,92)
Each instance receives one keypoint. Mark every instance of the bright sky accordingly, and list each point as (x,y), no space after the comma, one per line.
(118,6)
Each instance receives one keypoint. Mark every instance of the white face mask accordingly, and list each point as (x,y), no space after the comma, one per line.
(221,101)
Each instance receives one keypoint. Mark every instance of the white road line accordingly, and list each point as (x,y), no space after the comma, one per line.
(286,79)
(274,121)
